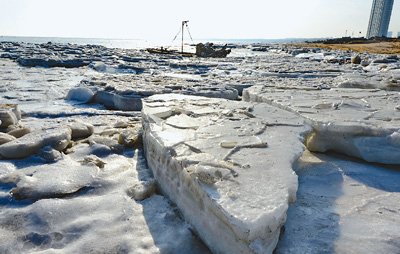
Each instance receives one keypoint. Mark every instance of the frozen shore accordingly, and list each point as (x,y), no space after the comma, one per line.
(121,151)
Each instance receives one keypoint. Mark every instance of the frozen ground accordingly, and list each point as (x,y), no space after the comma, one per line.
(82,183)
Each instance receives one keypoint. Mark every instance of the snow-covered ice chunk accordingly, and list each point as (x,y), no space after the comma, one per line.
(19,131)
(59,179)
(5,138)
(57,138)
(81,130)
(9,115)
(81,94)
(120,102)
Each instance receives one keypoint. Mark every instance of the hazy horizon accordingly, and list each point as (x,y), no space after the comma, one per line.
(178,39)
(156,20)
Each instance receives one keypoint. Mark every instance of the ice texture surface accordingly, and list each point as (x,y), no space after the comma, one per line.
(78,205)
(363,123)
(227,165)
(95,195)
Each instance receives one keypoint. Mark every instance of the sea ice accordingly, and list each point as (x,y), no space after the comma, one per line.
(83,203)
(57,138)
(125,92)
(235,196)
(81,94)
(93,212)
(9,115)
(343,206)
(226,164)
(358,122)
(4,138)
(80,130)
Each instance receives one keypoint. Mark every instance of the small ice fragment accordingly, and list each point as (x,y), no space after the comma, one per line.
(228,144)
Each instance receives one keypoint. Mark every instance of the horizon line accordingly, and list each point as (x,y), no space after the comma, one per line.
(143,39)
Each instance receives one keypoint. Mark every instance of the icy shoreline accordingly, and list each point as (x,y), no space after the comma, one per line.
(221,139)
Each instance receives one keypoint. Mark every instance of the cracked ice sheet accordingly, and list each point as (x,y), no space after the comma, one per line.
(363,123)
(99,217)
(31,86)
(344,106)
(41,91)
(227,165)
(343,206)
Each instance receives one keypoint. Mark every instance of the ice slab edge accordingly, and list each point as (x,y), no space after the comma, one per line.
(362,123)
(227,165)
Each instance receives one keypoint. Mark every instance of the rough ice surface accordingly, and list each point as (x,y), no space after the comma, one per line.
(89,209)
(125,92)
(233,186)
(96,195)
(63,177)
(355,111)
(359,122)
(343,206)
(83,202)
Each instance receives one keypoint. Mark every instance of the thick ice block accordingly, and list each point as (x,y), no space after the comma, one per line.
(227,165)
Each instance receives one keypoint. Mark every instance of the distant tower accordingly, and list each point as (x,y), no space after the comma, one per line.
(380,17)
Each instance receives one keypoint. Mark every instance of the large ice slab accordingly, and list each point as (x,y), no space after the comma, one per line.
(227,165)
(358,122)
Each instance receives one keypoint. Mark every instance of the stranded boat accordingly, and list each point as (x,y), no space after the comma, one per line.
(202,50)
(169,52)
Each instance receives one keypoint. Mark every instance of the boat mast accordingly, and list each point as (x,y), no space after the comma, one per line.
(183,26)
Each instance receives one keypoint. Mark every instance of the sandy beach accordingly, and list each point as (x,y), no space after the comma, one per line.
(384,47)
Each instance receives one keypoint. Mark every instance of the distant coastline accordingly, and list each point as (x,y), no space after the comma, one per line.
(110,43)
(142,43)
(361,45)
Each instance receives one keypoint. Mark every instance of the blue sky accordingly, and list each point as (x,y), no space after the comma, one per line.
(158,19)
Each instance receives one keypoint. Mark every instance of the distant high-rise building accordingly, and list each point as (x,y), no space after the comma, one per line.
(398,34)
(380,17)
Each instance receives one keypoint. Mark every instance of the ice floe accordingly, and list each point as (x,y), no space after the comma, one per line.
(234,185)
